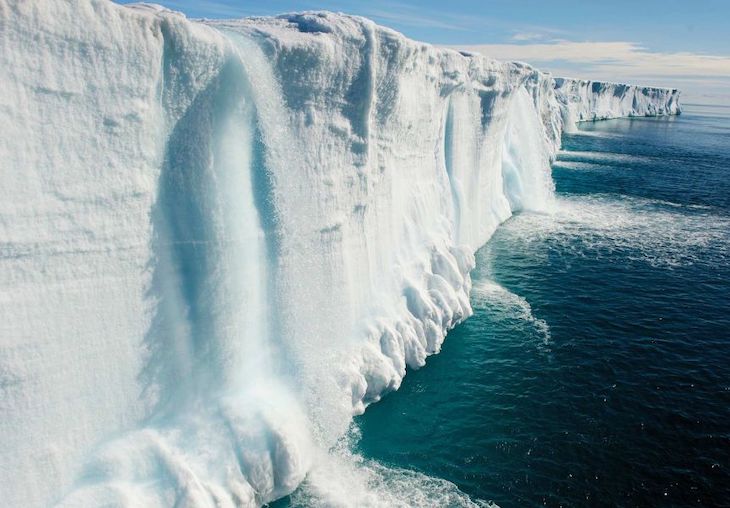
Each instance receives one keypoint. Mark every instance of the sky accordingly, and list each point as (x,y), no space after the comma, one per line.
(681,44)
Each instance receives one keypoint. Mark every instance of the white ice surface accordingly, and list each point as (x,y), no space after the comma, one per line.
(220,241)
(582,100)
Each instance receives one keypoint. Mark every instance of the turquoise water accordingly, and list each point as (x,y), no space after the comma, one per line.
(596,368)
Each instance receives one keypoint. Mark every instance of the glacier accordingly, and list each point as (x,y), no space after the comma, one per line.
(220,240)
(582,100)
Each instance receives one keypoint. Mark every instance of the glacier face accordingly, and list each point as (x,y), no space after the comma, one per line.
(582,100)
(220,240)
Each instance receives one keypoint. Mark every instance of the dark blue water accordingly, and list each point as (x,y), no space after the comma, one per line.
(596,368)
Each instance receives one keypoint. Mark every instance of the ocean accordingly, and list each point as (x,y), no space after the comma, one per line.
(595,370)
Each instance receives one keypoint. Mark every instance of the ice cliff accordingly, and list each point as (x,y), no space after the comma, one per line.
(219,241)
(582,100)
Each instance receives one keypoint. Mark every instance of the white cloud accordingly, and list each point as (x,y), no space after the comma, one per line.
(527,36)
(697,75)
(617,57)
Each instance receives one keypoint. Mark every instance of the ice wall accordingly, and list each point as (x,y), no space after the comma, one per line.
(582,100)
(220,241)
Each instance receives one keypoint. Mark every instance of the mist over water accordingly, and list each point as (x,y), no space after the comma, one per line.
(596,368)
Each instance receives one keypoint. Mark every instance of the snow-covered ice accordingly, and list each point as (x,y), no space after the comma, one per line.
(220,241)
(582,100)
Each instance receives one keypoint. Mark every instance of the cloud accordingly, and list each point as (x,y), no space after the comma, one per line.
(624,58)
(527,36)
(698,75)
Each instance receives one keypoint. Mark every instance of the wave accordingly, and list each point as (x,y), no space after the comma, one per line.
(602,157)
(344,478)
(578,165)
(657,232)
(487,294)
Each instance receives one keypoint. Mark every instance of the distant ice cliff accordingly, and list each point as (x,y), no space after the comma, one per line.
(219,241)
(582,100)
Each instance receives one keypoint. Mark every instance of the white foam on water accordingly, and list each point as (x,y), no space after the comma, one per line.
(579,165)
(601,134)
(487,294)
(656,232)
(601,157)
(344,478)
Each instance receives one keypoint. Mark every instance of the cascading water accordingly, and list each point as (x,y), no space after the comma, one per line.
(227,428)
(239,356)
(526,171)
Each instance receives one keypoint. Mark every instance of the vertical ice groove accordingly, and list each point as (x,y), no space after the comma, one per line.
(247,234)
(361,93)
(223,401)
(449,162)
(211,273)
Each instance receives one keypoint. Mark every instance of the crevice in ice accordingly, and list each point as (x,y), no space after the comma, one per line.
(455,184)
(360,95)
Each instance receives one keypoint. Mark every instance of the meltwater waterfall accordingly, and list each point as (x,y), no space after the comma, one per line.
(221,240)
